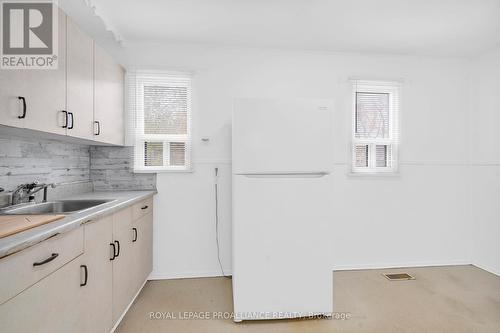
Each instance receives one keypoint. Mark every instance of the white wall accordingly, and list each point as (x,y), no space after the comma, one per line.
(485,161)
(416,218)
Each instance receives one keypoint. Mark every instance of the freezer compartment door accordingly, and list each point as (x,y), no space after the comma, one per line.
(282,246)
(282,136)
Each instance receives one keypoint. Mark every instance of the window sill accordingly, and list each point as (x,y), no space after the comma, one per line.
(164,171)
(374,174)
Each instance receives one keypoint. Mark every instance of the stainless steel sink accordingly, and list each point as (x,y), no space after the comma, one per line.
(54,207)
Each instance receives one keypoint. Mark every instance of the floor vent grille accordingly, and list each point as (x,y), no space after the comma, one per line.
(398,276)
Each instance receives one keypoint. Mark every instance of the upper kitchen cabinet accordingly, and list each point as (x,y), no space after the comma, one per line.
(80,76)
(36,98)
(83,98)
(109,78)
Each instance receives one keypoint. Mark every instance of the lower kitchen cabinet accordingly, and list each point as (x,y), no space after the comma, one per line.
(143,247)
(50,306)
(124,267)
(89,291)
(96,292)
(133,237)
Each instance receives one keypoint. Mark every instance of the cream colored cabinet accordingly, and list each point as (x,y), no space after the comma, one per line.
(124,267)
(96,293)
(142,208)
(12,90)
(21,270)
(49,306)
(79,93)
(109,78)
(118,258)
(142,243)
(42,90)
(83,280)
(133,230)
(142,239)
(83,98)
(40,287)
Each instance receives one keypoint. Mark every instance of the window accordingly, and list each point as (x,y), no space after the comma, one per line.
(375,127)
(162,121)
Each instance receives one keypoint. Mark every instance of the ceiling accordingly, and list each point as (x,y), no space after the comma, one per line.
(423,27)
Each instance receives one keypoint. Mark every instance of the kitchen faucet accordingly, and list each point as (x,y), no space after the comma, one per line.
(29,190)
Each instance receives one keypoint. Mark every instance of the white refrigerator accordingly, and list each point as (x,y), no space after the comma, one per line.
(282,208)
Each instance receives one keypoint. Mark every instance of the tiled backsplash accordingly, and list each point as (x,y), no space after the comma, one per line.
(24,160)
(111,169)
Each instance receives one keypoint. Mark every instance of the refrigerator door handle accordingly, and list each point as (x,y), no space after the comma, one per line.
(285,174)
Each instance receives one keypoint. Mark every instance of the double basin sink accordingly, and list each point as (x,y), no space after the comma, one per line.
(52,207)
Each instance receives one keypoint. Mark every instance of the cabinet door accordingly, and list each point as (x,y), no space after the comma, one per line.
(123,264)
(12,85)
(97,293)
(80,95)
(143,247)
(43,89)
(108,98)
(50,305)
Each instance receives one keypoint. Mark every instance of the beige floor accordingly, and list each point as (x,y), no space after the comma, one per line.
(442,299)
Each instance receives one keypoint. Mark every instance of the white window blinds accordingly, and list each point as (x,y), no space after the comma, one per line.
(160,106)
(375,126)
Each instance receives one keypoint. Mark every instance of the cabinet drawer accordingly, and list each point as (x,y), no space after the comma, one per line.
(142,208)
(21,270)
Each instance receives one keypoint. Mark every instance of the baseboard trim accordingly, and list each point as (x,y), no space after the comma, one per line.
(488,269)
(188,275)
(400,265)
(127,308)
(217,273)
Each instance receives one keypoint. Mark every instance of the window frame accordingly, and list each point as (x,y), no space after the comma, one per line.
(393,89)
(140,138)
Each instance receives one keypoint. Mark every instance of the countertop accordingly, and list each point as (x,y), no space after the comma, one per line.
(25,239)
